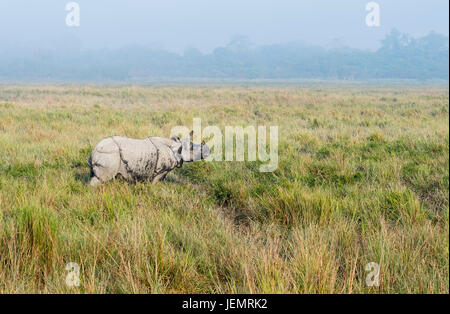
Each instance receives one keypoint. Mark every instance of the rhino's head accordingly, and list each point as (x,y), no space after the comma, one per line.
(187,151)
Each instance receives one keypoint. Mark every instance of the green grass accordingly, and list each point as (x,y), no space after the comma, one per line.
(363,177)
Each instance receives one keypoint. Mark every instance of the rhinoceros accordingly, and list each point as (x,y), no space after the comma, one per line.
(148,159)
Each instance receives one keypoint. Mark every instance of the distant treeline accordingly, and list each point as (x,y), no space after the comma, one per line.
(399,57)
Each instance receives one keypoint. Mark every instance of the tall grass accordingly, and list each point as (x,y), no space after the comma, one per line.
(363,177)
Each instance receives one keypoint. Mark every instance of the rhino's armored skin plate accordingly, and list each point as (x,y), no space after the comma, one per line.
(149,159)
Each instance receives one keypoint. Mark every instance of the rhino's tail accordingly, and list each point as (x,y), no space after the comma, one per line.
(92,174)
(94,181)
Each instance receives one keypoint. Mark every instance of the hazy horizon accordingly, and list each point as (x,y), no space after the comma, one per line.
(176,25)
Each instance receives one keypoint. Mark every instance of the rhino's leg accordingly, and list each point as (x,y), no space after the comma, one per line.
(104,161)
(105,166)
(94,182)
(160,177)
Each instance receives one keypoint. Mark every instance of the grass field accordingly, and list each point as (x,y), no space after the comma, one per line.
(363,177)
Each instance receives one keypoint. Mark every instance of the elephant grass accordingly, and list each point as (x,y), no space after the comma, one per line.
(363,177)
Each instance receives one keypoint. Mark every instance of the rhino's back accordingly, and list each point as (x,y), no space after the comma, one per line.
(139,157)
(106,146)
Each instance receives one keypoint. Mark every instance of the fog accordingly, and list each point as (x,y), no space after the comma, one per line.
(206,24)
(251,39)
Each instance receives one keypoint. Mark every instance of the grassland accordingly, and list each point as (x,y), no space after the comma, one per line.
(363,177)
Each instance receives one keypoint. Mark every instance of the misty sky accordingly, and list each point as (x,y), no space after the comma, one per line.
(207,24)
